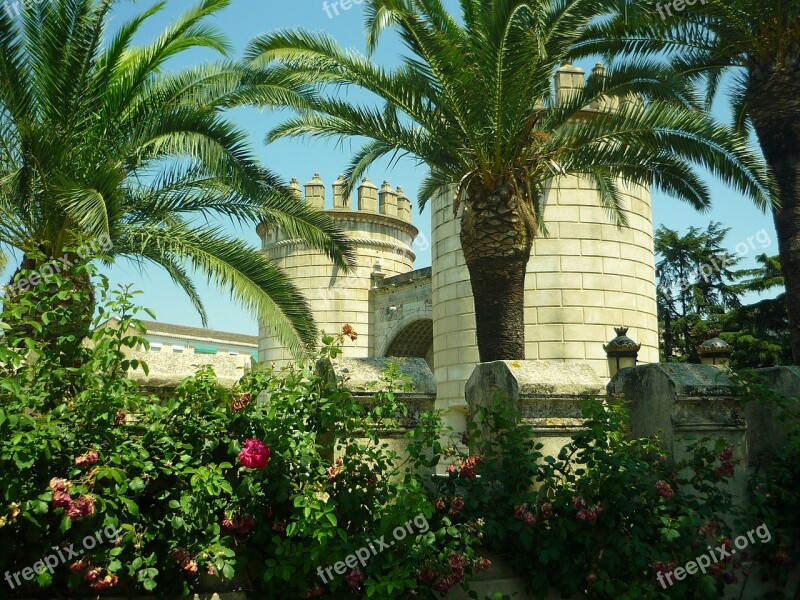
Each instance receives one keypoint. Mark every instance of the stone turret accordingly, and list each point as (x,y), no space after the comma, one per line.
(569,81)
(382,238)
(403,205)
(340,201)
(295,187)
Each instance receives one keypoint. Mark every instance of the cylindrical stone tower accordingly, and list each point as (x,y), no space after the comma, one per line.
(587,277)
(382,240)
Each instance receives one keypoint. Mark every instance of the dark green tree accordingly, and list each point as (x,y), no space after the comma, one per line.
(759,332)
(697,281)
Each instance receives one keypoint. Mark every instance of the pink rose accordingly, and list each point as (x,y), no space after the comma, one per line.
(254,455)
(62,500)
(190,567)
(89,458)
(59,485)
(664,489)
(79,566)
(81,507)
(354,578)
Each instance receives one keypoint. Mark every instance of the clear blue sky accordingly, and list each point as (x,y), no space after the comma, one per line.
(243,20)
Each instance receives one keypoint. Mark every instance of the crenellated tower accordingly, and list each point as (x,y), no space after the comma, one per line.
(380,228)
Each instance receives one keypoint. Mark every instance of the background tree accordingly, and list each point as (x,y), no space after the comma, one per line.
(759,332)
(758,43)
(473,100)
(696,282)
(98,138)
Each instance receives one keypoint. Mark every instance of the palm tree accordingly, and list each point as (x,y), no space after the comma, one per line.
(758,44)
(472,99)
(98,140)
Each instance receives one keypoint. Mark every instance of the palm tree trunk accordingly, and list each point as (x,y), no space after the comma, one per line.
(774,98)
(497,231)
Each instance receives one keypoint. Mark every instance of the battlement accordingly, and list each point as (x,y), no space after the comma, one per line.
(569,79)
(385,200)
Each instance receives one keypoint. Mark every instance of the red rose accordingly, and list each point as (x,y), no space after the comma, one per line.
(254,455)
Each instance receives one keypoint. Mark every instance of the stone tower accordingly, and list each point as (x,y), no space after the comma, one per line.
(382,235)
(585,278)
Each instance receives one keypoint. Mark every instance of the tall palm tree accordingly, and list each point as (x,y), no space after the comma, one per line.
(99,139)
(473,100)
(758,44)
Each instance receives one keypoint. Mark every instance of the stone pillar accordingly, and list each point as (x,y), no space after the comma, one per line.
(387,200)
(403,205)
(546,395)
(606,103)
(340,200)
(569,81)
(685,401)
(367,196)
(315,193)
(294,185)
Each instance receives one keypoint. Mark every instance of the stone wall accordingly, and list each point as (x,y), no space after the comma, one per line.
(403,316)
(167,368)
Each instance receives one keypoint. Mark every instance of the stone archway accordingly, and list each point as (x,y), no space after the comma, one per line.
(414,340)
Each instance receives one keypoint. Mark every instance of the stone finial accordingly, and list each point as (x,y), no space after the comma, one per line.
(294,185)
(315,192)
(715,351)
(387,200)
(340,200)
(368,196)
(403,205)
(606,103)
(569,80)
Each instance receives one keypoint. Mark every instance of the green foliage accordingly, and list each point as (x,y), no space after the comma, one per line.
(169,478)
(473,100)
(601,518)
(700,297)
(775,483)
(696,283)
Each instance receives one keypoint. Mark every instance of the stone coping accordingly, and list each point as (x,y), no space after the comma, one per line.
(362,375)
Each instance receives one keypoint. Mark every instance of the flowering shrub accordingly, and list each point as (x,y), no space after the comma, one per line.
(775,487)
(208,486)
(601,519)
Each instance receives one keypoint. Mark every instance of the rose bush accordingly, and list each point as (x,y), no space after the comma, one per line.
(601,519)
(207,485)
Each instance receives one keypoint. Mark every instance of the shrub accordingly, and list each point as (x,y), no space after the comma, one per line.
(774,487)
(601,519)
(210,484)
